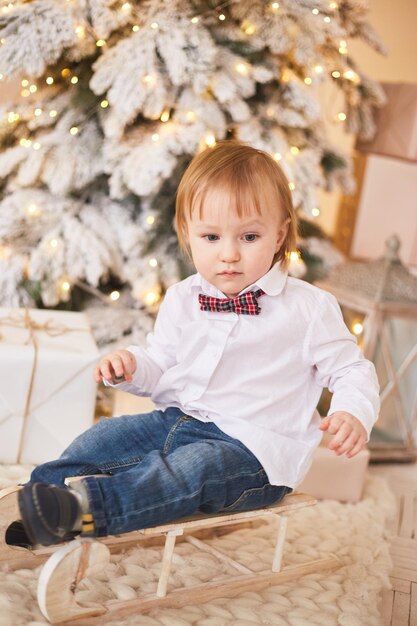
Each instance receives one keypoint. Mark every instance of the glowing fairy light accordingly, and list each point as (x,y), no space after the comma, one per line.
(357,328)
(114,295)
(104,104)
(74,130)
(153,262)
(315,211)
(53,113)
(49,80)
(242,68)
(210,141)
(194,20)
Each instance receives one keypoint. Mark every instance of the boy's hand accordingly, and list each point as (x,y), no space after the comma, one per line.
(349,434)
(116,367)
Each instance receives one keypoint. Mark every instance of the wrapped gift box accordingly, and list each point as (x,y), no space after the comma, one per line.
(387,206)
(336,477)
(396,123)
(47,389)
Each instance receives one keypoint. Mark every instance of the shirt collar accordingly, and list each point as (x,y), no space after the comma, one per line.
(272,283)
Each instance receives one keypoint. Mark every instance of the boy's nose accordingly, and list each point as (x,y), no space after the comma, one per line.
(229,253)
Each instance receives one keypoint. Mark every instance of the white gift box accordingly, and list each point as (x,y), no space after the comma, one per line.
(47,389)
(387,207)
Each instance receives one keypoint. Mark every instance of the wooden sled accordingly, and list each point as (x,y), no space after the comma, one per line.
(67,564)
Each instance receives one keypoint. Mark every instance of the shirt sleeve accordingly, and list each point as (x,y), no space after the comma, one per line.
(160,352)
(340,366)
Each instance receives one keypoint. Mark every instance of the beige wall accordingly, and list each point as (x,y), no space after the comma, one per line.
(396,23)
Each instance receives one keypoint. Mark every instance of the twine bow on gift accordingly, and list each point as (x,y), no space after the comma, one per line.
(50,328)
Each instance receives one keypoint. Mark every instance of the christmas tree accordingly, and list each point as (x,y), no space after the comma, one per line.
(116,99)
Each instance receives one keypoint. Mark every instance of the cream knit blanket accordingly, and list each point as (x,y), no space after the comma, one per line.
(349,596)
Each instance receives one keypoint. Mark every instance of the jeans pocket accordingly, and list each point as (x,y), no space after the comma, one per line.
(258,498)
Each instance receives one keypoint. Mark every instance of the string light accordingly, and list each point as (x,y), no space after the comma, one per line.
(152,297)
(326,19)
(114,295)
(155,137)
(65,73)
(315,212)
(357,328)
(13,117)
(25,93)
(210,141)
(194,20)
(33,210)
(80,31)
(1,76)
(308,80)
(333,6)
(25,82)
(49,80)
(126,7)
(242,68)
(153,262)
(315,11)
(294,150)
(222,17)
(53,113)
(341,117)
(74,130)
(291,186)
(74,80)
(148,79)
(36,145)
(318,69)
(33,89)
(352,76)
(275,6)
(154,25)
(53,243)
(65,288)
(248,27)
(336,74)
(190,115)
(277,156)
(100,43)
(165,116)
(150,220)
(135,28)
(342,47)
(104,104)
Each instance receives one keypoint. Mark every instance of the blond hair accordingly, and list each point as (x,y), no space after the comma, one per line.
(252,178)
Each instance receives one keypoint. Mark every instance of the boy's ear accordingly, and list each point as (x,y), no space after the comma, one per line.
(282,233)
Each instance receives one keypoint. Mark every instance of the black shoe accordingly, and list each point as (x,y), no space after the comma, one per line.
(49,513)
(17,536)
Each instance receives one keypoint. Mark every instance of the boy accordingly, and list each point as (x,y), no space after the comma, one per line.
(235,366)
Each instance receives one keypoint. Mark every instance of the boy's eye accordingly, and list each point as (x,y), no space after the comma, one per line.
(211,237)
(250,237)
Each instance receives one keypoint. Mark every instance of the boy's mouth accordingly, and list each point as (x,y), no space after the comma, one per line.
(230,273)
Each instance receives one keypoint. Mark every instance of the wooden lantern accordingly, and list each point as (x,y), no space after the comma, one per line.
(379,304)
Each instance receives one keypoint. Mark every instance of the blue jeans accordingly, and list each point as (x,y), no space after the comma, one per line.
(158,467)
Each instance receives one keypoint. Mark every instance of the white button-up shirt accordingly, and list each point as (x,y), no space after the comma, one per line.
(258,377)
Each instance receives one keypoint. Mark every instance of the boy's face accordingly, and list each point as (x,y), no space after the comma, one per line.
(229,251)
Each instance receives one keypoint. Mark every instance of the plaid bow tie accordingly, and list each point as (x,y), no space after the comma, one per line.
(246,303)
